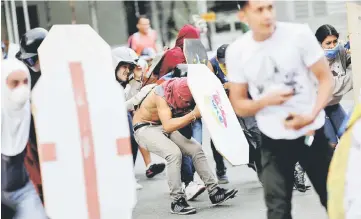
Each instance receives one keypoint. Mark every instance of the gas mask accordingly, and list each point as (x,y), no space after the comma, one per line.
(332,53)
(18,97)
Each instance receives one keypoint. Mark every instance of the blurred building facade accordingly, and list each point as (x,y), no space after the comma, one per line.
(116,20)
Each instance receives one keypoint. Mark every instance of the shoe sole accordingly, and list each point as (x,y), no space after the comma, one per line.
(229,197)
(184,213)
(197,194)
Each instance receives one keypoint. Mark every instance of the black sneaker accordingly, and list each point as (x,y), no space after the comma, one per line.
(154,169)
(219,195)
(299,179)
(181,207)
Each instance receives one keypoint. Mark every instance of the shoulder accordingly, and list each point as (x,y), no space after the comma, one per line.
(238,47)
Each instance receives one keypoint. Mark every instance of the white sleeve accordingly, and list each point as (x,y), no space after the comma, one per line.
(235,71)
(311,50)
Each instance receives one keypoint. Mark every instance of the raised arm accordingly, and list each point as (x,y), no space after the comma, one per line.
(172,124)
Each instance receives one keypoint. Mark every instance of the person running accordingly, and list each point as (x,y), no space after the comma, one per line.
(144,38)
(125,61)
(284,68)
(28,54)
(17,191)
(166,109)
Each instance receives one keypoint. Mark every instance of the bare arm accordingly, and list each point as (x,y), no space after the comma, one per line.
(325,86)
(242,105)
(165,115)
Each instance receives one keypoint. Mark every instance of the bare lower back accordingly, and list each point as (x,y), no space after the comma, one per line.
(147,112)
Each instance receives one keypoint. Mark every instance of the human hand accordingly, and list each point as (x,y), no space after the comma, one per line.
(196,112)
(296,122)
(277,97)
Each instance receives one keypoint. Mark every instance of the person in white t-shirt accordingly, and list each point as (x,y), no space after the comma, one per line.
(284,69)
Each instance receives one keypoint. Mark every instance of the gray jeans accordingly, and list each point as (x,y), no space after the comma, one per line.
(171,149)
(25,202)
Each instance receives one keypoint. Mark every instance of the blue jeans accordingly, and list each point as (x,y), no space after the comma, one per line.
(335,115)
(187,169)
(25,202)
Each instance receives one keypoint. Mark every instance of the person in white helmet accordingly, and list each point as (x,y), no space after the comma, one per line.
(125,62)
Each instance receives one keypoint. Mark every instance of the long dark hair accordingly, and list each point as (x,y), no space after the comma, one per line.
(325,31)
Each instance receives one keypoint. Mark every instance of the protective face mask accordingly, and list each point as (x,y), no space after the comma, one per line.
(332,53)
(19,96)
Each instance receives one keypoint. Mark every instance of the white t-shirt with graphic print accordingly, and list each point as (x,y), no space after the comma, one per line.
(280,62)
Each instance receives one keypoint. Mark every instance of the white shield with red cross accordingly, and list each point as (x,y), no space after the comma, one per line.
(82,128)
(218,114)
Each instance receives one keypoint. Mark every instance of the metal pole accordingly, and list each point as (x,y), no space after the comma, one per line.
(47,12)
(155,21)
(93,15)
(8,22)
(26,15)
(15,21)
(73,15)
(136,6)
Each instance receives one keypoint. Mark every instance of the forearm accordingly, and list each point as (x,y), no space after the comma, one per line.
(323,96)
(247,107)
(175,124)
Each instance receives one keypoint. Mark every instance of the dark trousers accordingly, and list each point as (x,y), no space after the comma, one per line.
(132,140)
(220,167)
(278,163)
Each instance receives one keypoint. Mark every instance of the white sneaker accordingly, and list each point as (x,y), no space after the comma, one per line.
(138,186)
(193,190)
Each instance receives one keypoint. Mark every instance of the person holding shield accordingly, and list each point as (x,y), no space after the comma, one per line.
(166,109)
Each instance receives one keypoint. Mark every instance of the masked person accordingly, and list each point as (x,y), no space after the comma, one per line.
(166,109)
(125,61)
(28,54)
(284,69)
(340,63)
(17,191)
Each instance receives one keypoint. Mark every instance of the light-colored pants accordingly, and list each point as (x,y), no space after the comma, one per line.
(171,149)
(25,202)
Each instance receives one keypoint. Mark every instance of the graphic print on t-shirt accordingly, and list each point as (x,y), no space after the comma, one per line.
(276,76)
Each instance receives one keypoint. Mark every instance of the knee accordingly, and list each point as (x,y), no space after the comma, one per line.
(196,150)
(174,156)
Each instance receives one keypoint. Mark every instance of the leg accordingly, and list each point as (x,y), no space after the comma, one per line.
(132,140)
(26,202)
(156,142)
(221,168)
(146,156)
(187,170)
(278,162)
(337,115)
(330,132)
(316,160)
(194,149)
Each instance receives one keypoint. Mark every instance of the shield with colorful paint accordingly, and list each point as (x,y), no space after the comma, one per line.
(218,114)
